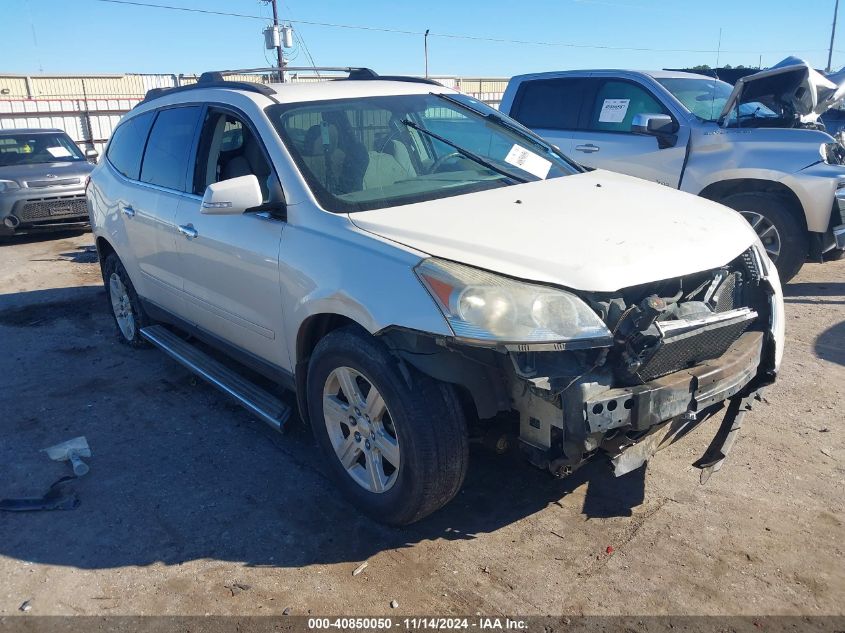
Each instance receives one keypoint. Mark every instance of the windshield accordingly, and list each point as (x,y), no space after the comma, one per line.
(706,98)
(376,152)
(40,147)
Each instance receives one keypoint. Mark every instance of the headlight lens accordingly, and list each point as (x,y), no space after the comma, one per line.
(8,185)
(485,307)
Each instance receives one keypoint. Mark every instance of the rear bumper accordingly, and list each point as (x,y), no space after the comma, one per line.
(684,392)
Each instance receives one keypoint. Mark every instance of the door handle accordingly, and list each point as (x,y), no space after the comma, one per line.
(188,231)
(589,148)
(129,212)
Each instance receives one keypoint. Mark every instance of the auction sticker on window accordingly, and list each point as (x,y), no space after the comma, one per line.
(528,161)
(614,110)
(59,152)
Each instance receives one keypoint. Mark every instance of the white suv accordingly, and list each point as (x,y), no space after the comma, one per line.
(420,270)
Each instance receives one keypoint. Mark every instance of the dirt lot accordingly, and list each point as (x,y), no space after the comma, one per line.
(189,497)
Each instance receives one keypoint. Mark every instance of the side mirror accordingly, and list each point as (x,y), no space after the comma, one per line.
(92,154)
(233,196)
(660,125)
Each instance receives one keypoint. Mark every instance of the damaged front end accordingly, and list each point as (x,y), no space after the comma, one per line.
(677,350)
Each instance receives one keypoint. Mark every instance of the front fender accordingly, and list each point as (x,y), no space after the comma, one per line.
(364,278)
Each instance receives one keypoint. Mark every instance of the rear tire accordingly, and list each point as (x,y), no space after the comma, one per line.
(421,420)
(127,311)
(785,239)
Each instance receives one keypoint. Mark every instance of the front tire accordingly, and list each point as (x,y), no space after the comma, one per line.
(396,441)
(785,240)
(128,313)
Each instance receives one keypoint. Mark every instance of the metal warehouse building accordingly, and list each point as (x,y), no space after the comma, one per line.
(88,107)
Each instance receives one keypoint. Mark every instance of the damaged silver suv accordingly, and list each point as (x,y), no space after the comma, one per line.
(419,269)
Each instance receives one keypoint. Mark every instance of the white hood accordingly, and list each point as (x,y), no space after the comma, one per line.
(597,231)
(807,92)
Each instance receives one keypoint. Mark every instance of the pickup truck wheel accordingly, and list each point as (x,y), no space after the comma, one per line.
(129,316)
(783,237)
(395,440)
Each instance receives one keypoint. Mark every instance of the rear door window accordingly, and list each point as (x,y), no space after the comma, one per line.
(617,103)
(127,145)
(169,146)
(552,104)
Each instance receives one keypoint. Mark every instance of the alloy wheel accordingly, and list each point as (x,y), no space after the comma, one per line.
(361,430)
(122,306)
(766,231)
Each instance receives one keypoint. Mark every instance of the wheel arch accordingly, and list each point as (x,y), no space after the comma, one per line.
(313,329)
(719,191)
(104,249)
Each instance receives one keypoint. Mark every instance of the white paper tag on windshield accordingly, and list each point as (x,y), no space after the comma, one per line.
(528,161)
(614,110)
(59,152)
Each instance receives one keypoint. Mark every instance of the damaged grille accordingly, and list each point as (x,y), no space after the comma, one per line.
(675,324)
(689,348)
(58,207)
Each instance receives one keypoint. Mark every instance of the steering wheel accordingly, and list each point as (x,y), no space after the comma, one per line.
(437,164)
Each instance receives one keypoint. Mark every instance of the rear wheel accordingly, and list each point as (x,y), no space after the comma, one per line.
(782,235)
(128,313)
(395,440)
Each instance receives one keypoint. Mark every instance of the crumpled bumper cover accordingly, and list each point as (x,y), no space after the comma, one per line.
(683,392)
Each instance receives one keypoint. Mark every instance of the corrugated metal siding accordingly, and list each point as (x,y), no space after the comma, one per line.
(88,107)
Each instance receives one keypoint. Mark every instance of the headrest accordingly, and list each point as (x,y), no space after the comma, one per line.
(315,139)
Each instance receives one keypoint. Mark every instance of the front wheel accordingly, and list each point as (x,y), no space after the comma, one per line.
(396,441)
(782,235)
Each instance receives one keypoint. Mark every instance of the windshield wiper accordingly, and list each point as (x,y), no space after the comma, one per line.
(525,133)
(464,152)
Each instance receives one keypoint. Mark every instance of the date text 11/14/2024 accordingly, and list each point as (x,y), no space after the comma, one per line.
(418,623)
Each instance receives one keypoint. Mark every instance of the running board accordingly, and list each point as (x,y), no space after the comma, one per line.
(253,398)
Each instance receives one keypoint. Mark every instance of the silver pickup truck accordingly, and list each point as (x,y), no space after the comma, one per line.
(757,147)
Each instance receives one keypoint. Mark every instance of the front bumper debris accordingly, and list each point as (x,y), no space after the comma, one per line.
(684,392)
(629,424)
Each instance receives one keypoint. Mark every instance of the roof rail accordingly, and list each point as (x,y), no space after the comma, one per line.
(207,80)
(354,73)
(217,79)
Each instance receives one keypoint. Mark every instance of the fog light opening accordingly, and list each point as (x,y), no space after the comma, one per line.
(11,221)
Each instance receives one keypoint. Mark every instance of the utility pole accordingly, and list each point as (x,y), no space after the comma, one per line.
(425,45)
(280,60)
(832,35)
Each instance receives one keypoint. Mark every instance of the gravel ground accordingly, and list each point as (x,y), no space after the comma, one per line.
(193,507)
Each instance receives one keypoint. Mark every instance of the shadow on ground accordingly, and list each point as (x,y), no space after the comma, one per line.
(180,473)
(830,344)
(46,236)
(815,293)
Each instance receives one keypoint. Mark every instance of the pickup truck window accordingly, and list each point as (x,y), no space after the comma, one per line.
(377,152)
(706,98)
(551,104)
(616,104)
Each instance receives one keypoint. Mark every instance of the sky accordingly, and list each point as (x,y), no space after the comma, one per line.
(94,36)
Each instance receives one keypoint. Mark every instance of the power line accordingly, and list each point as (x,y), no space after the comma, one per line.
(455,36)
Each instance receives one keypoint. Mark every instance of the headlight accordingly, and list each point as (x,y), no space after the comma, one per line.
(484,307)
(8,185)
